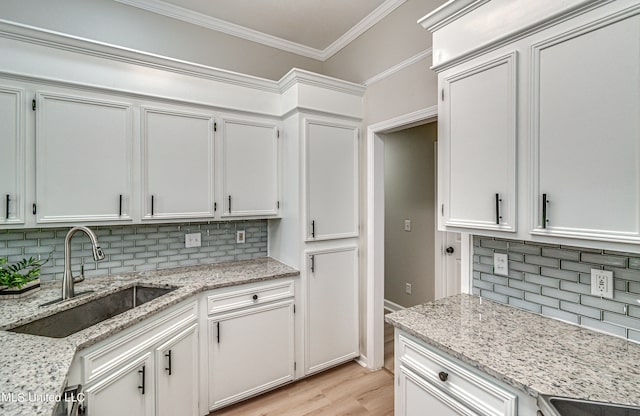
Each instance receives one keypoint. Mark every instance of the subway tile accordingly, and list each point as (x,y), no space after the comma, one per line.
(619,284)
(634,311)
(542,261)
(634,263)
(516,257)
(562,254)
(528,287)
(634,287)
(482,251)
(561,315)
(560,294)
(22,243)
(575,287)
(522,304)
(541,280)
(509,291)
(626,297)
(122,270)
(604,259)
(542,300)
(495,244)
(622,320)
(604,327)
(485,260)
(524,267)
(576,267)
(626,274)
(504,281)
(496,297)
(482,284)
(475,291)
(524,248)
(604,304)
(633,335)
(581,310)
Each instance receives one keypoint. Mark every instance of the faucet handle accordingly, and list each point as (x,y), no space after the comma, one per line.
(80,278)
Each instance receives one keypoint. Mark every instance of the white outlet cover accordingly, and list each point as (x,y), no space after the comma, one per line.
(192,240)
(240,237)
(407,225)
(501,264)
(602,283)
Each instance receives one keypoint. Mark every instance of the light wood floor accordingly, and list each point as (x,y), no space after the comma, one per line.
(345,390)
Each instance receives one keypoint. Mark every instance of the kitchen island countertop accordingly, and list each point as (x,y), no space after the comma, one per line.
(533,353)
(34,368)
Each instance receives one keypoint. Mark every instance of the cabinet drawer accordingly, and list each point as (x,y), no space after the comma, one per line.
(473,391)
(248,295)
(104,357)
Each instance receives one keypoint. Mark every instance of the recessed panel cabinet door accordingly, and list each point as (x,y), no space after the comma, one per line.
(250,168)
(11,156)
(331,166)
(477,153)
(332,308)
(177,148)
(417,397)
(83,159)
(586,133)
(126,391)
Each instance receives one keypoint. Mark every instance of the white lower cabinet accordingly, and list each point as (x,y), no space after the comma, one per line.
(251,346)
(429,381)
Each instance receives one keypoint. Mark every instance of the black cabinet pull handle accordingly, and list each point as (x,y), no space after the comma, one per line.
(255,297)
(152,204)
(141,387)
(443,376)
(8,200)
(313,228)
(168,355)
(498,216)
(120,206)
(545,201)
(34,208)
(218,332)
(313,264)
(229,204)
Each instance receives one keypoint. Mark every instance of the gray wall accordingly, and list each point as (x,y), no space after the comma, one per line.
(410,194)
(555,281)
(118,24)
(137,248)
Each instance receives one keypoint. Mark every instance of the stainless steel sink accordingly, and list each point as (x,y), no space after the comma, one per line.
(563,406)
(70,321)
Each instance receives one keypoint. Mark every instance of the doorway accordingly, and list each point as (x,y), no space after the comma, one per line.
(375,261)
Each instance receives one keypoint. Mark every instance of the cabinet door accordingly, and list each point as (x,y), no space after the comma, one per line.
(12,156)
(415,395)
(586,132)
(331,180)
(122,393)
(250,351)
(332,308)
(177,157)
(177,375)
(250,168)
(83,159)
(477,153)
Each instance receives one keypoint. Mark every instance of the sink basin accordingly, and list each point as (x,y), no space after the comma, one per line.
(70,321)
(562,406)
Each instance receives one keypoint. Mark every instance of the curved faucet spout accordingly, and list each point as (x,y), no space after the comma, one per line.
(67,278)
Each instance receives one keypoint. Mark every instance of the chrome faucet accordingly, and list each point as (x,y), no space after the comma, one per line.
(67,279)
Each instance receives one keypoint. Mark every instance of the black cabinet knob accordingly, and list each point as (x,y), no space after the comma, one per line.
(443,376)
(449,250)
(255,297)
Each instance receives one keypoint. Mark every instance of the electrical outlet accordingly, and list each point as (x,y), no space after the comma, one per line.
(602,283)
(240,237)
(193,240)
(501,264)
(407,225)
(407,288)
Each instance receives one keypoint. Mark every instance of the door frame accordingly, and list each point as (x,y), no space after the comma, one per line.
(375,227)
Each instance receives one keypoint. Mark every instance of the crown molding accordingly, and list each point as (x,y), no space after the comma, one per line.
(51,39)
(449,12)
(399,67)
(170,10)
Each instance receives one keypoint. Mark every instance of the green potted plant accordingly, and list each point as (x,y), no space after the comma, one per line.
(21,278)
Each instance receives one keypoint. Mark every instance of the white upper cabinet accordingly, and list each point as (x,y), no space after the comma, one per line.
(83,159)
(586,132)
(249,168)
(177,160)
(12,196)
(477,134)
(331,172)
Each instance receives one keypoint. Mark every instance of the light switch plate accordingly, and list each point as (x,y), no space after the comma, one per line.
(407,225)
(602,283)
(501,264)
(240,237)
(193,240)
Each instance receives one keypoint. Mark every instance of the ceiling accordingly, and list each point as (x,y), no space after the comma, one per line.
(313,28)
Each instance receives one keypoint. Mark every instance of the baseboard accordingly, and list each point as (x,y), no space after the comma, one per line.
(392,306)
(362,360)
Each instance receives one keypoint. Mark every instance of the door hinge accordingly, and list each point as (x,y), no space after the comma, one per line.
(442,210)
(278,204)
(294,308)
(215,126)
(215,206)
(278,133)
(295,365)
(442,94)
(33,104)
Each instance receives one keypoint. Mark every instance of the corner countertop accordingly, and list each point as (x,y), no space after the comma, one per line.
(536,354)
(34,369)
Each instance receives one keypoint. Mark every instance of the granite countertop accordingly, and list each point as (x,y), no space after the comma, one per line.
(533,353)
(34,369)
